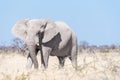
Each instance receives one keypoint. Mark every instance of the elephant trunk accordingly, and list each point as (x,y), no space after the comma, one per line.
(32,50)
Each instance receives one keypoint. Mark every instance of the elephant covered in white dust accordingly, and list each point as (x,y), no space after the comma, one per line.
(48,37)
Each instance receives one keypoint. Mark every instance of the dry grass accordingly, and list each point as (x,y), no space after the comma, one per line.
(98,66)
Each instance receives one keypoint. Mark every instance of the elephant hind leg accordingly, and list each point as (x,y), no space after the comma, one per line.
(61,61)
(73,61)
(73,57)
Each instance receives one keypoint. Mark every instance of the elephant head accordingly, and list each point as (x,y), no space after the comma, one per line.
(30,31)
(34,32)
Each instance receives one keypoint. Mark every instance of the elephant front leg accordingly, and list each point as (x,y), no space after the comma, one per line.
(33,54)
(45,52)
(29,62)
(34,60)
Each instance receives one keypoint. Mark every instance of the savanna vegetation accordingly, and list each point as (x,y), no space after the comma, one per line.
(94,63)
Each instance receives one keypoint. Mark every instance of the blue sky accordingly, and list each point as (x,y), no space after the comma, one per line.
(94,21)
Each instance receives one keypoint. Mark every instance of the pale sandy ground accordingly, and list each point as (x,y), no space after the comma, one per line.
(99,66)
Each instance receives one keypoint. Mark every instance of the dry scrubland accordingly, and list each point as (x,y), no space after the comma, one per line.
(91,66)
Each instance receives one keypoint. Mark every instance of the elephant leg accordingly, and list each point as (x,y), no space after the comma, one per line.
(45,52)
(29,62)
(34,60)
(33,57)
(73,60)
(61,61)
(42,60)
(73,57)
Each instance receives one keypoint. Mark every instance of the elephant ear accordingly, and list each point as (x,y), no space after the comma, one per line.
(20,29)
(50,31)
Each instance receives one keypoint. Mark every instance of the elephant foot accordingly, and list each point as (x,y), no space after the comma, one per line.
(36,67)
(74,64)
(29,63)
(61,67)
(43,67)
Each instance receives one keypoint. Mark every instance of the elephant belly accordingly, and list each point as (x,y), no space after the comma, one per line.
(62,51)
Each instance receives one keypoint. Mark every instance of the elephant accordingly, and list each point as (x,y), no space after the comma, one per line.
(51,38)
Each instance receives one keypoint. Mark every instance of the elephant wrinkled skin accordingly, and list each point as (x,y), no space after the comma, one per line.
(48,37)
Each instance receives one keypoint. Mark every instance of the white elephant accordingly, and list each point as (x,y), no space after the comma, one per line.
(51,38)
